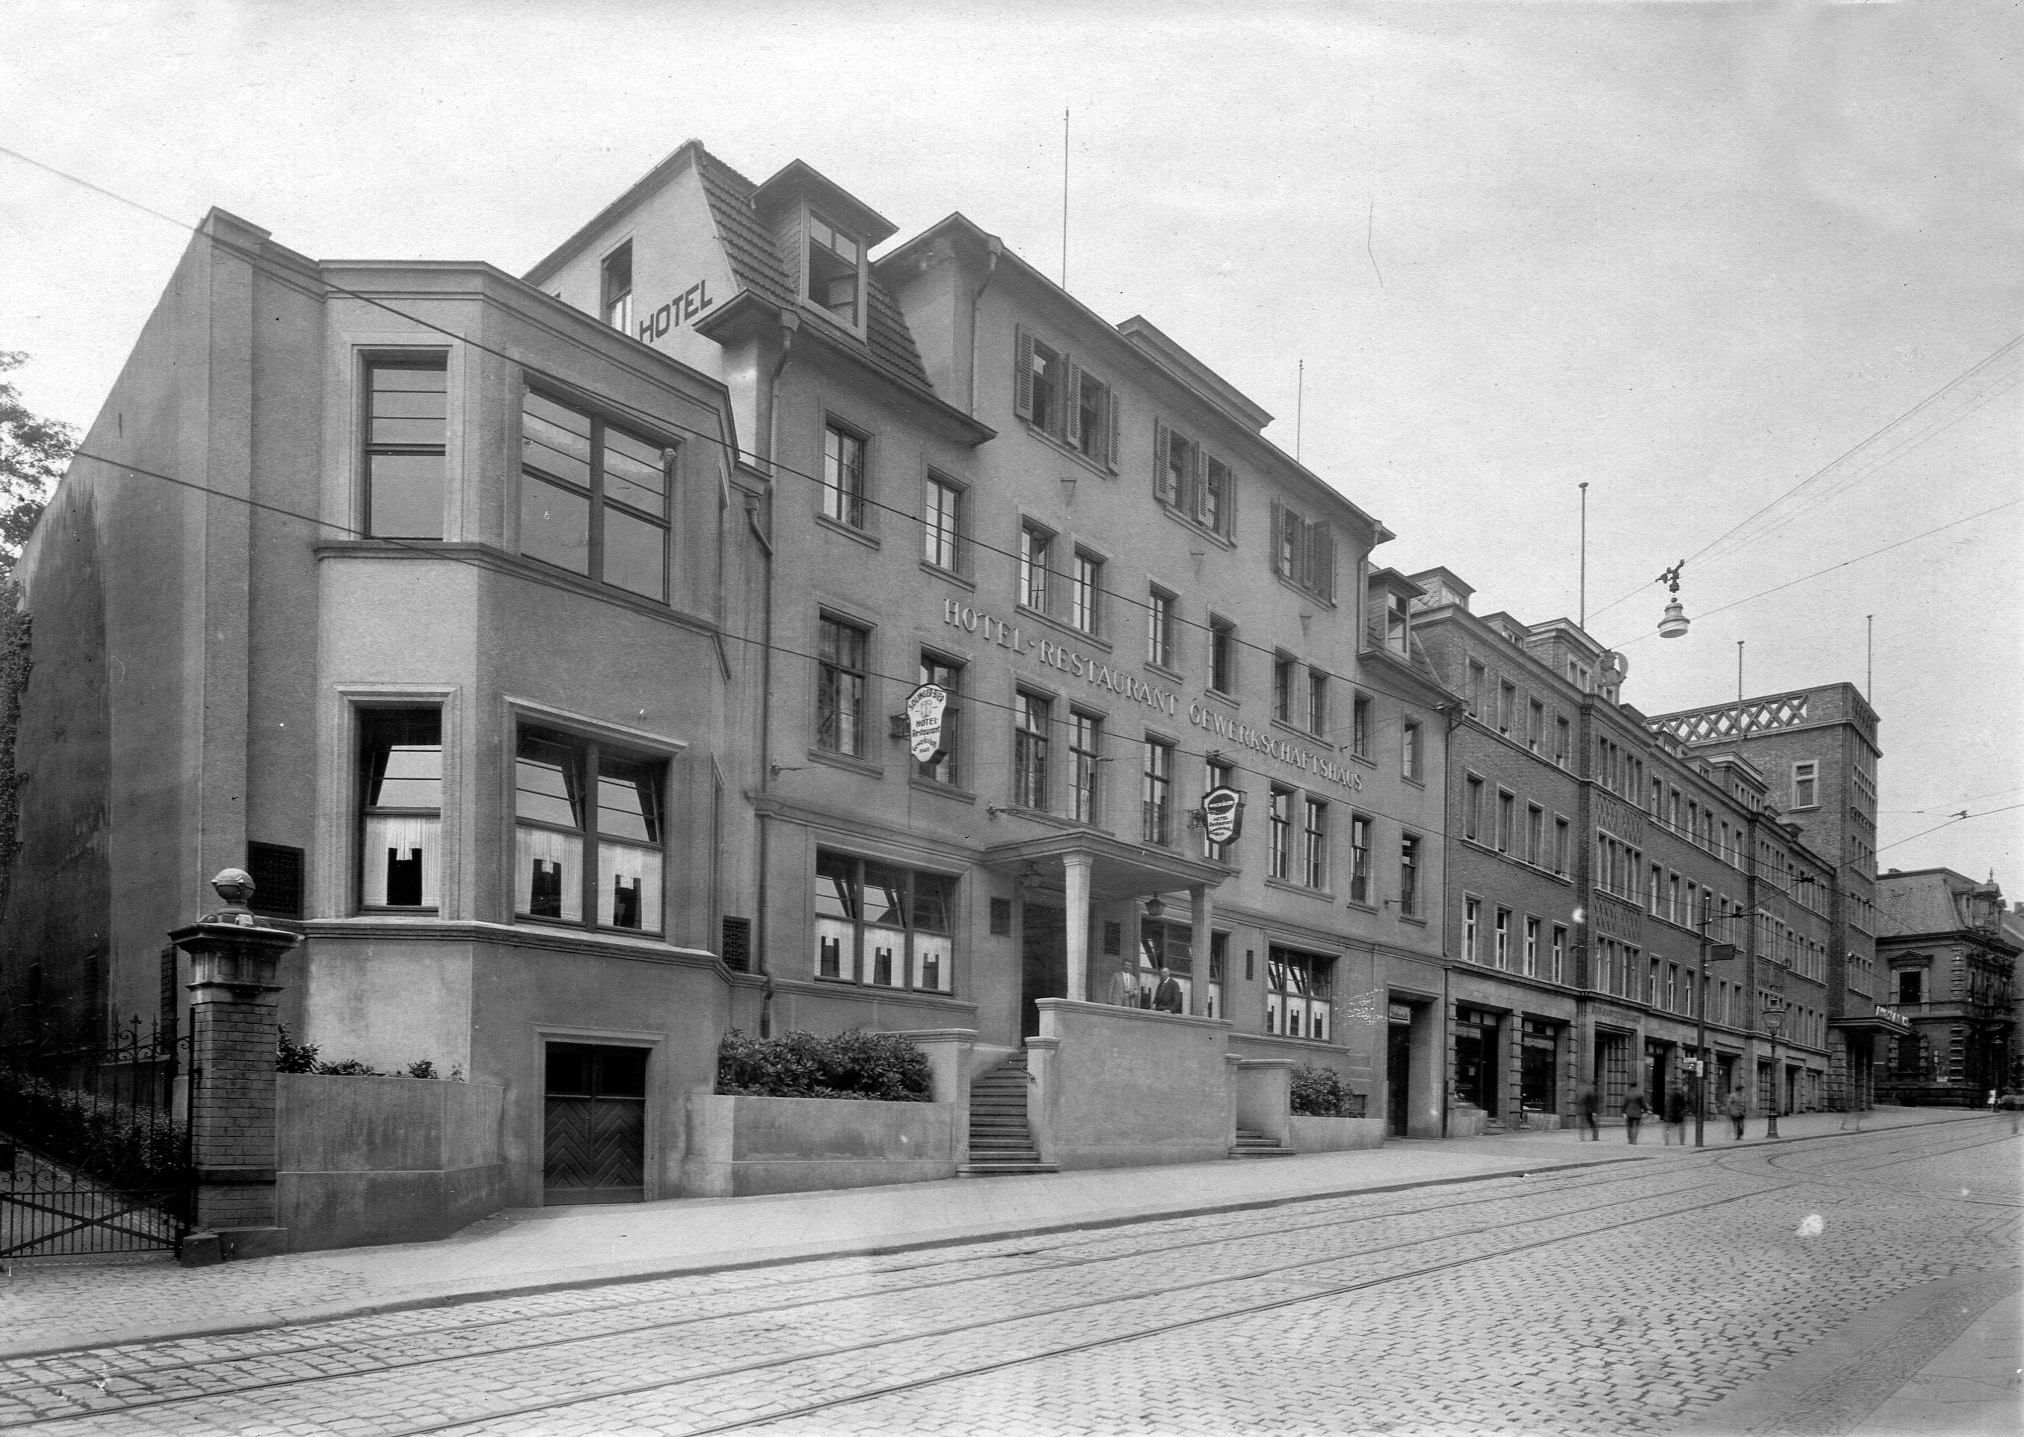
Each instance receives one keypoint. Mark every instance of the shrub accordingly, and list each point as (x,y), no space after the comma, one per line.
(1320,1093)
(136,1148)
(293,1057)
(879,1066)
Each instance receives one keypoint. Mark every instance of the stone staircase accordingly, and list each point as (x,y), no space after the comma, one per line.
(1253,1144)
(1001,1143)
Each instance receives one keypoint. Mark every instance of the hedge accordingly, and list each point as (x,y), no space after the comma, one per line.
(885,1067)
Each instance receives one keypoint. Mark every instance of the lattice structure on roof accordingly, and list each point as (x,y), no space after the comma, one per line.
(1738,720)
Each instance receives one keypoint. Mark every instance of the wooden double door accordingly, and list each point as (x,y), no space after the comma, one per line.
(595,1124)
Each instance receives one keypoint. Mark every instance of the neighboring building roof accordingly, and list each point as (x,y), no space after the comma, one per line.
(1926,900)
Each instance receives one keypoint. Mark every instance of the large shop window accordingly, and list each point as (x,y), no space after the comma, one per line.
(882,925)
(593,497)
(588,844)
(400,849)
(407,422)
(1298,989)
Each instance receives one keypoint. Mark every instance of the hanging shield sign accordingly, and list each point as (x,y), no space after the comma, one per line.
(1223,814)
(924,721)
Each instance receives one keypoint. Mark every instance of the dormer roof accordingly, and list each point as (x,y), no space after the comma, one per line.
(799,180)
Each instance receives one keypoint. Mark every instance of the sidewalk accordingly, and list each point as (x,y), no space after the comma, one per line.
(48,1305)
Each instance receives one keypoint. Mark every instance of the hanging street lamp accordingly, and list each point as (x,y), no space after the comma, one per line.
(1674,622)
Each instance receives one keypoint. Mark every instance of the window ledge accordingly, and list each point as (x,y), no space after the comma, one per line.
(1195,526)
(1359,905)
(947,575)
(1365,759)
(1415,782)
(941,790)
(1413,918)
(1224,696)
(1165,671)
(1062,626)
(849,531)
(1060,444)
(1287,885)
(847,762)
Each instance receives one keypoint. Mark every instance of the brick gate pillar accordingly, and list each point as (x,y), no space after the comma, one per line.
(233,1028)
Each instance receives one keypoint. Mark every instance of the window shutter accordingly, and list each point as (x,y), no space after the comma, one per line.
(1022,375)
(1071,402)
(1163,476)
(1272,547)
(1199,469)
(1229,503)
(1321,545)
(1111,408)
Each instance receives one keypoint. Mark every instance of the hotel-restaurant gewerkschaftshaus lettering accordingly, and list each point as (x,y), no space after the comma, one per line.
(720,629)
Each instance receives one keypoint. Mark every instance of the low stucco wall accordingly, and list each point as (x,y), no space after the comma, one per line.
(370,1160)
(1119,1087)
(1335,1135)
(741,1146)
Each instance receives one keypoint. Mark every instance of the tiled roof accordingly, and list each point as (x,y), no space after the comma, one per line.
(760,266)
(1918,902)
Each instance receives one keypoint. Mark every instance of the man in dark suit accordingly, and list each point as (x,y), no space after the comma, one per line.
(1167,997)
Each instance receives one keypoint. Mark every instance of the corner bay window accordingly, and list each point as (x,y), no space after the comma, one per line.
(587,833)
(593,497)
(407,422)
(882,925)
(400,858)
(1298,989)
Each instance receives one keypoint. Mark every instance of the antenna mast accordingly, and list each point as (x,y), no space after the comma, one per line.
(1064,199)
(1584,556)
(1299,400)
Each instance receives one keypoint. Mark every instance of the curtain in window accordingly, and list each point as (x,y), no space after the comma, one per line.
(629,887)
(549,881)
(400,860)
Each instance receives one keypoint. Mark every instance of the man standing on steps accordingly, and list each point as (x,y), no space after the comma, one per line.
(1167,997)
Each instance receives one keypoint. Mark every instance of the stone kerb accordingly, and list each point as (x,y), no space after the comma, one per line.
(1120,1087)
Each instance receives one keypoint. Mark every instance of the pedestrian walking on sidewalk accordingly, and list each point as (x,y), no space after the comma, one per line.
(1585,1103)
(1736,1111)
(1633,1113)
(1167,997)
(2012,1102)
(1676,1118)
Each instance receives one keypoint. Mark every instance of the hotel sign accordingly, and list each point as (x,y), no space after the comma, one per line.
(924,721)
(1099,673)
(1223,814)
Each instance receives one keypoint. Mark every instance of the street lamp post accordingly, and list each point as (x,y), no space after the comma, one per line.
(1774,1023)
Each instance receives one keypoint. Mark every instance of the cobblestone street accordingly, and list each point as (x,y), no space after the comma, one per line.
(1627,1298)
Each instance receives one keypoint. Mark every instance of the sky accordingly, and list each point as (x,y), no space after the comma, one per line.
(1748,271)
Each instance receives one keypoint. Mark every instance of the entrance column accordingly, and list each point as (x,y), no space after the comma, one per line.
(1200,909)
(1075,880)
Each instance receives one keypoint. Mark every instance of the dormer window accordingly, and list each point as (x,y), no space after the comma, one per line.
(1395,628)
(835,277)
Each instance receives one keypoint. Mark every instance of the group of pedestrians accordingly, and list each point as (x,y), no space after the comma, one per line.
(1674,1117)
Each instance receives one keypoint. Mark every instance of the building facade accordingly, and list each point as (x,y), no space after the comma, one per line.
(1817,751)
(1949,957)
(1612,890)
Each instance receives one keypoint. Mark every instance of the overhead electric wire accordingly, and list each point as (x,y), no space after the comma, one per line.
(1843,564)
(259,261)
(1832,464)
(1958,818)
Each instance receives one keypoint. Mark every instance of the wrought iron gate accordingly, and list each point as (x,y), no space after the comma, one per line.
(94,1144)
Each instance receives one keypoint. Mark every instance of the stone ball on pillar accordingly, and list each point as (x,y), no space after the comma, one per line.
(234,885)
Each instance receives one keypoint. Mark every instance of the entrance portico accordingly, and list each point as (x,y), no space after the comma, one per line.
(1088,869)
